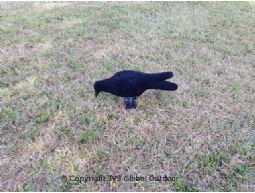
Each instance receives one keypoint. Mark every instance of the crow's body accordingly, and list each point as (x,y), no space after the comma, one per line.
(130,83)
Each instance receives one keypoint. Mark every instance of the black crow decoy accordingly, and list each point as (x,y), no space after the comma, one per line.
(131,84)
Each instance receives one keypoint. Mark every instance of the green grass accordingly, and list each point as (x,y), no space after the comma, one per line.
(42,117)
(215,160)
(248,48)
(181,187)
(27,187)
(51,54)
(199,92)
(9,116)
(64,132)
(89,136)
(224,51)
(101,153)
(34,135)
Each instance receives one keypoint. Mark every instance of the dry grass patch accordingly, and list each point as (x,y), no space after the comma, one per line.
(52,125)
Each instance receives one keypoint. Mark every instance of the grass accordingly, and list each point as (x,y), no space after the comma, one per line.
(52,125)
(214,160)
(181,187)
(9,116)
(89,136)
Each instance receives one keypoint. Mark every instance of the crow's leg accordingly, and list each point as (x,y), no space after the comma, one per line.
(129,102)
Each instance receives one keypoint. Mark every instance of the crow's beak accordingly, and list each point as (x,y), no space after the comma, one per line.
(96,94)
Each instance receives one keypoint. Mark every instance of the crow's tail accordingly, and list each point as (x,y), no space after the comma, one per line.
(164,85)
(162,76)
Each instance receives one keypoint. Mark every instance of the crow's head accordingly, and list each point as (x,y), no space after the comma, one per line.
(102,85)
(97,88)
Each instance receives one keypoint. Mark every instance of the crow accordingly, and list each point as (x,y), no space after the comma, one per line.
(131,84)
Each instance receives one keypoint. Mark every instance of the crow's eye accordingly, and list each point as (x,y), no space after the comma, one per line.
(118,74)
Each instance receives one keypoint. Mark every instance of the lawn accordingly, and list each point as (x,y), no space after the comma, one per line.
(202,135)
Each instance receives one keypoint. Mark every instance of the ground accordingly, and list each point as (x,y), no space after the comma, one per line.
(52,125)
